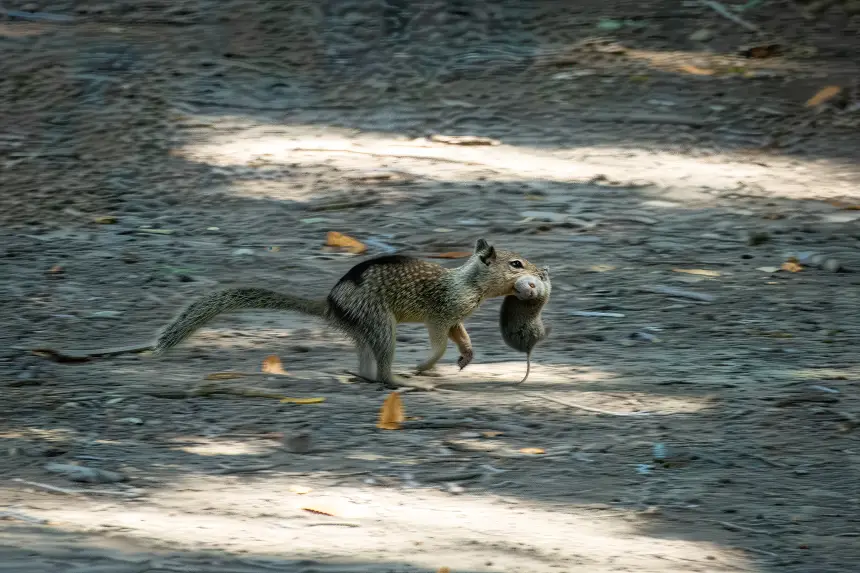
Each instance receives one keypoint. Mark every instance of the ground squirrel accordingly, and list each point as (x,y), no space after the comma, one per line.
(520,317)
(374,296)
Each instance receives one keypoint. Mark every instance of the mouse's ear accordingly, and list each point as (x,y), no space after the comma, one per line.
(544,273)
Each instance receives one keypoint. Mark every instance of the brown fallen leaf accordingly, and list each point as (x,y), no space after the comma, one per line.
(464,140)
(225,375)
(792,266)
(105,220)
(211,388)
(341,241)
(696,71)
(532,451)
(272,365)
(762,51)
(824,94)
(491,433)
(321,510)
(444,570)
(287,400)
(845,206)
(391,414)
(451,255)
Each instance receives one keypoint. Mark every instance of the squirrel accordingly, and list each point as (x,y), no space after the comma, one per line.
(520,316)
(374,296)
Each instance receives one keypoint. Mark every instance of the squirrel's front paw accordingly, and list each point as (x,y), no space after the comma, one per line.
(465,359)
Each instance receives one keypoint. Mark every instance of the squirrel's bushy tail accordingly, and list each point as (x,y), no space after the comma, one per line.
(205,309)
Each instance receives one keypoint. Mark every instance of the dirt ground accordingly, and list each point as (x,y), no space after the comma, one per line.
(151,154)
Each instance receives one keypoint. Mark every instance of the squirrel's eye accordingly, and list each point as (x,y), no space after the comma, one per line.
(516,264)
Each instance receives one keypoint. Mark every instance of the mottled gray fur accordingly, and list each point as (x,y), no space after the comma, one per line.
(374,296)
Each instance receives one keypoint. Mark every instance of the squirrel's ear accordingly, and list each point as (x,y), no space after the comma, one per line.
(485,251)
(488,256)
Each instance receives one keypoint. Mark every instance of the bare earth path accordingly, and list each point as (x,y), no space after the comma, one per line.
(148,156)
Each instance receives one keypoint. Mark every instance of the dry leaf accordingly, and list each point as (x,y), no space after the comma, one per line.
(391,414)
(777,334)
(696,71)
(272,365)
(56,270)
(105,220)
(792,266)
(225,375)
(763,51)
(823,95)
(299,489)
(444,570)
(451,255)
(287,400)
(532,451)
(845,206)
(341,241)
(491,433)
(700,272)
(321,510)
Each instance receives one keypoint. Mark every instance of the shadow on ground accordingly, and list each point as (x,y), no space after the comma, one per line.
(760,457)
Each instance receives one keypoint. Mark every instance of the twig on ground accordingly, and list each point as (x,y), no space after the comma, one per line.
(393,155)
(726,13)
(81,355)
(68,491)
(246,469)
(735,527)
(772,463)
(642,118)
(474,424)
(343,205)
(462,476)
(757,551)
(585,408)
(672,291)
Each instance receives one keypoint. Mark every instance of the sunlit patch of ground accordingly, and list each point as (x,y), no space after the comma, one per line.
(290,517)
(299,145)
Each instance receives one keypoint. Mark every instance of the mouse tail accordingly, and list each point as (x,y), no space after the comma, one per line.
(528,367)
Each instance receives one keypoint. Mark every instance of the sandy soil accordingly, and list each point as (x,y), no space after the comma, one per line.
(151,155)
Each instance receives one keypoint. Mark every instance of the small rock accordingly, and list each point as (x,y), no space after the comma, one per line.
(832,266)
(455,488)
(546,216)
(755,238)
(703,35)
(298,443)
(470,434)
(84,474)
(105,314)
